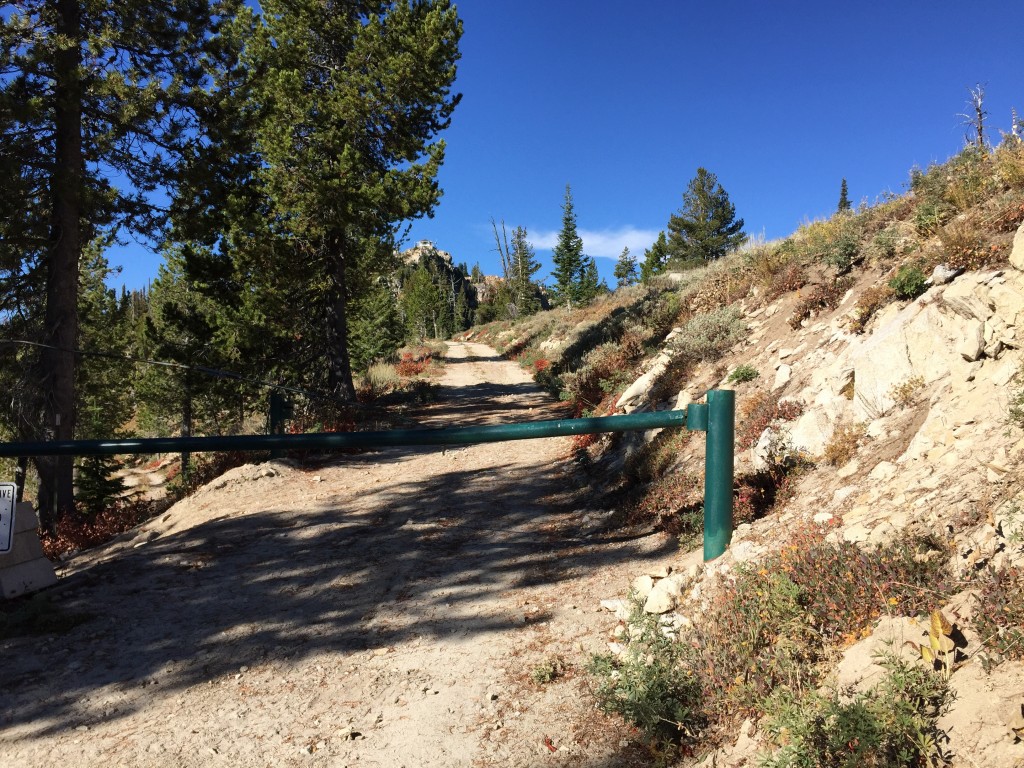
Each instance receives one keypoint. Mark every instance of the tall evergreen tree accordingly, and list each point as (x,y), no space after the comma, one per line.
(568,255)
(844,198)
(186,328)
(590,284)
(353,101)
(655,258)
(706,227)
(524,265)
(104,392)
(625,268)
(94,95)
(376,330)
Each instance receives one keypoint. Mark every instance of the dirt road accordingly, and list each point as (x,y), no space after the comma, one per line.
(384,609)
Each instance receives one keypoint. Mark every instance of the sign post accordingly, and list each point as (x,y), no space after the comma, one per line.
(7,496)
(23,566)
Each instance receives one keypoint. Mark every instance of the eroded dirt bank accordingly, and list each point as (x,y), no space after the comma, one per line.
(384,609)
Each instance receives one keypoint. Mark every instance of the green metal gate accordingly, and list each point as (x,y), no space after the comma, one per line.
(716,418)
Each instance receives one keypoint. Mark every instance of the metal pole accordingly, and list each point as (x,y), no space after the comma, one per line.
(342,440)
(718,472)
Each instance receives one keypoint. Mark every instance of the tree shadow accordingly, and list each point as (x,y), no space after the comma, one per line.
(409,560)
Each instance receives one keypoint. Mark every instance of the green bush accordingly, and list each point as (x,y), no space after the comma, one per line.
(649,684)
(743,373)
(909,282)
(708,335)
(1000,616)
(98,485)
(894,724)
(770,631)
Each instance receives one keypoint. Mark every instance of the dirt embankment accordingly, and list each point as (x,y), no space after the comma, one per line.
(382,609)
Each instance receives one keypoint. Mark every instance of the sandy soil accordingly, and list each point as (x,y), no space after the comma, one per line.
(382,609)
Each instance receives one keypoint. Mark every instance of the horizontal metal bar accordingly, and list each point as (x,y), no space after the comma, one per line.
(493,433)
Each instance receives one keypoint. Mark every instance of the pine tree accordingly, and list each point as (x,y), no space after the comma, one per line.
(625,269)
(655,258)
(376,330)
(420,302)
(844,199)
(186,328)
(94,110)
(353,102)
(590,285)
(568,255)
(103,384)
(524,265)
(706,227)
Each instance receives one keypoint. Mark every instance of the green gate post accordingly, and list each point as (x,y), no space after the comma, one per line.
(280,409)
(718,472)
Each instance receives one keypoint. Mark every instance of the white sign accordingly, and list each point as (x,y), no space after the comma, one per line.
(7,491)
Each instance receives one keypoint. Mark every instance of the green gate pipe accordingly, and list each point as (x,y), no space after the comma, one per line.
(493,433)
(716,418)
(718,472)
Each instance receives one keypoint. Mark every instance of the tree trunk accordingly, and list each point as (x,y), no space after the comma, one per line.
(339,366)
(186,425)
(61,323)
(20,475)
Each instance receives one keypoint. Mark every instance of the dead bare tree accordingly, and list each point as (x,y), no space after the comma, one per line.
(975,117)
(503,248)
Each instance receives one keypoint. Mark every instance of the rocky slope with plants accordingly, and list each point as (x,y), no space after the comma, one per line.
(870,608)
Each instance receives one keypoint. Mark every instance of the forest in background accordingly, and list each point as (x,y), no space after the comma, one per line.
(274,157)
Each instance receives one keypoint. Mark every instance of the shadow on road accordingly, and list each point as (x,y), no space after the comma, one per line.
(411,558)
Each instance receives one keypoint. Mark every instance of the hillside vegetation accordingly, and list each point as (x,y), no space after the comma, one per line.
(875,356)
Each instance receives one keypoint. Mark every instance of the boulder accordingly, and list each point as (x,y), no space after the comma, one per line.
(664,597)
(1017,253)
(636,394)
(969,298)
(972,346)
(984,712)
(782,376)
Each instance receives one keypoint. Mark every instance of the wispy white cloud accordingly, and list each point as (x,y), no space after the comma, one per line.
(604,243)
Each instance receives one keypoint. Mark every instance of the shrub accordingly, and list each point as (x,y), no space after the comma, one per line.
(772,627)
(909,282)
(1010,215)
(549,670)
(1016,409)
(1008,162)
(776,268)
(672,503)
(906,392)
(871,300)
(706,336)
(409,366)
(844,444)
(605,368)
(820,296)
(767,632)
(1000,615)
(945,190)
(963,247)
(649,684)
(76,531)
(892,724)
(758,412)
(835,241)
(743,373)
(381,378)
(971,178)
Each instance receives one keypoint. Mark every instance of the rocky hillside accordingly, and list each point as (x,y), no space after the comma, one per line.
(870,610)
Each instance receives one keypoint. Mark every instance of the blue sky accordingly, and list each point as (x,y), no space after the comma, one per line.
(780,100)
